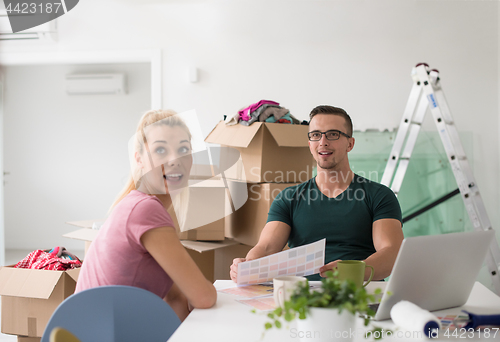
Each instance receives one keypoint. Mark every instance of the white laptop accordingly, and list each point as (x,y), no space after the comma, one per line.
(435,272)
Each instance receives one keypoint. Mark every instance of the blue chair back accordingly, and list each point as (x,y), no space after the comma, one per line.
(114,313)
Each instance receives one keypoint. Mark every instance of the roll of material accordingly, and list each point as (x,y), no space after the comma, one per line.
(411,317)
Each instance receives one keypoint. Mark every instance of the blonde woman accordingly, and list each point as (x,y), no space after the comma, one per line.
(138,244)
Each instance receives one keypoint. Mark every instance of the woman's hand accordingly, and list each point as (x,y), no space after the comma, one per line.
(165,247)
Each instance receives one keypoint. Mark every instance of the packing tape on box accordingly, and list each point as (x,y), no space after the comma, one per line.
(411,317)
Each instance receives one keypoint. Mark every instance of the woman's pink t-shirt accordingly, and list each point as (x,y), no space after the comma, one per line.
(117,257)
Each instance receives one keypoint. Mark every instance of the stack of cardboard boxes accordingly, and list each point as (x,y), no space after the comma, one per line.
(273,157)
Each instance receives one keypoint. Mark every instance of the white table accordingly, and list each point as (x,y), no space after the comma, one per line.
(229,320)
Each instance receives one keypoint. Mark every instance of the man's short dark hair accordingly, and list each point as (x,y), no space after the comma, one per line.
(325,109)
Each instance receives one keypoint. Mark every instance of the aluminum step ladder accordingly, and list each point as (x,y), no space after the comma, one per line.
(427,93)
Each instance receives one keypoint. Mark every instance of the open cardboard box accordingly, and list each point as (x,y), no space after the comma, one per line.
(86,233)
(213,231)
(213,258)
(209,204)
(270,152)
(244,225)
(29,297)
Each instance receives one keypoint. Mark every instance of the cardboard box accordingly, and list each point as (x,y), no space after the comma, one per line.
(213,231)
(28,339)
(246,223)
(271,152)
(205,206)
(206,211)
(209,202)
(87,234)
(215,258)
(29,297)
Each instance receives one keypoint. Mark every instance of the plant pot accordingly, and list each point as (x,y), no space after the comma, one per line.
(326,324)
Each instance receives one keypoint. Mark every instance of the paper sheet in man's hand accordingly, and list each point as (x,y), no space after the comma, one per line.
(300,261)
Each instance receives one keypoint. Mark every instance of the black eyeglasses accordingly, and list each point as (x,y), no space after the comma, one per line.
(330,135)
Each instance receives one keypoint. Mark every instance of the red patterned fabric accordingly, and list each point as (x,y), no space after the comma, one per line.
(43,260)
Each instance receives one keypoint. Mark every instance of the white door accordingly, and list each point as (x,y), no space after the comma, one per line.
(67,154)
(45,209)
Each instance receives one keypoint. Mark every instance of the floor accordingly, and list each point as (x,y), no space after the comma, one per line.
(12,256)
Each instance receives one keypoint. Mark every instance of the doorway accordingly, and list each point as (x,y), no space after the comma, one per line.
(66,156)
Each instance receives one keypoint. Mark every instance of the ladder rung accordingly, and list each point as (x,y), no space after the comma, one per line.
(455,158)
(440,119)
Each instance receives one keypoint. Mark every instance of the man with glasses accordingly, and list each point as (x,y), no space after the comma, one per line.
(360,219)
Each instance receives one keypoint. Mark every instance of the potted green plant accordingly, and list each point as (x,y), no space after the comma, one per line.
(327,313)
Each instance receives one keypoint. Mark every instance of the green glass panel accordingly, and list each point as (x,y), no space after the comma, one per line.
(428,178)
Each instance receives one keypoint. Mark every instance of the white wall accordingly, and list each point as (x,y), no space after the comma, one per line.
(351,53)
(66,155)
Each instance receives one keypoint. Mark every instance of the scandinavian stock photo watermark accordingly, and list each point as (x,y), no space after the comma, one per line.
(353,334)
(380,334)
(304,175)
(25,14)
(350,193)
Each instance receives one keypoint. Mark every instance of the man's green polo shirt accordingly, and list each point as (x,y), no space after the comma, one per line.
(345,221)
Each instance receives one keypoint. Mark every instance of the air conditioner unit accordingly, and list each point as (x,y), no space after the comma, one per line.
(89,84)
(45,32)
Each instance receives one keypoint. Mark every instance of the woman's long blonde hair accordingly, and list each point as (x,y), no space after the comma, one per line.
(155,117)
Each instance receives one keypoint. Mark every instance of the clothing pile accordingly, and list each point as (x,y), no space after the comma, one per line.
(56,259)
(263,111)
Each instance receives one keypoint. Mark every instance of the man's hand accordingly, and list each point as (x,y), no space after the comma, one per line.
(328,267)
(234,268)
(272,240)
